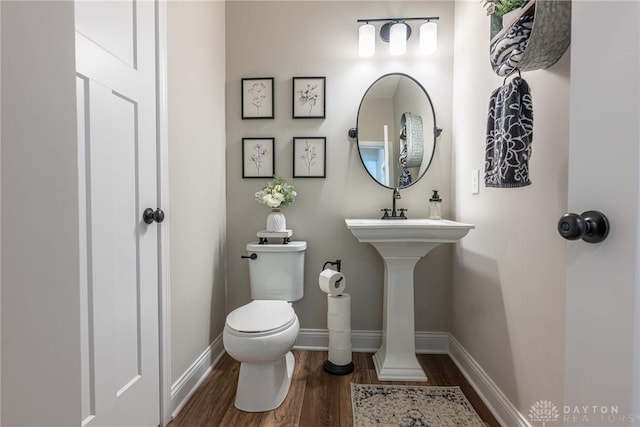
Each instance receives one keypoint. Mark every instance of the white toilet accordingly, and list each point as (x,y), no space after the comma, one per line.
(261,334)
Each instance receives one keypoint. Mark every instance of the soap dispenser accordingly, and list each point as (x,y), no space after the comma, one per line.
(435,206)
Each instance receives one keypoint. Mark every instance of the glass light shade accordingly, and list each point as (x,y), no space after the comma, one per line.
(398,39)
(428,37)
(367,40)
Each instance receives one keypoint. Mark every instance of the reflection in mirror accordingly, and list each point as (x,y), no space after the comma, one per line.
(396,130)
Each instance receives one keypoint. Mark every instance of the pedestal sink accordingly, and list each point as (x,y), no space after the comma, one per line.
(402,243)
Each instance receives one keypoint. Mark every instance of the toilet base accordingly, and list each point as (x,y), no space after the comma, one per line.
(264,386)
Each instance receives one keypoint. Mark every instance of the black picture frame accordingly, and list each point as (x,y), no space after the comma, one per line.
(257,98)
(309,97)
(258,157)
(309,157)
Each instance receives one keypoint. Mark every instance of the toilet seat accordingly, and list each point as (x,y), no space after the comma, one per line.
(261,317)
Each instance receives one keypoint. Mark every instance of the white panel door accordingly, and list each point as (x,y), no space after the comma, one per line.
(116,96)
(602,348)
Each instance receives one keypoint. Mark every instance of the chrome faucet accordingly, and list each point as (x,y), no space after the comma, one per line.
(396,196)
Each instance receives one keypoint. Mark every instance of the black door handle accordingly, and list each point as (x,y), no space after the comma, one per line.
(591,226)
(149,215)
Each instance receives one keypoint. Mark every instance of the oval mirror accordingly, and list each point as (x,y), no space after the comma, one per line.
(396,130)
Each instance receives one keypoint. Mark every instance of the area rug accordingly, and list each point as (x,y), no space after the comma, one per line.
(405,406)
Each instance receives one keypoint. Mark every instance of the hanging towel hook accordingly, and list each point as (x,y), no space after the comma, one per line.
(510,73)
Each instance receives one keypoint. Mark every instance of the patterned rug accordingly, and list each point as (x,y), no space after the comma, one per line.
(395,405)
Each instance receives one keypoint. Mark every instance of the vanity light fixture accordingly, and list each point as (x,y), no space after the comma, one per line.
(428,37)
(396,32)
(398,35)
(367,40)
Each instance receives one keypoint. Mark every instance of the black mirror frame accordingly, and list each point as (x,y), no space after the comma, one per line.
(353,132)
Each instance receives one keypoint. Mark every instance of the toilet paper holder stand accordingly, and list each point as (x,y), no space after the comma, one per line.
(337,263)
(328,366)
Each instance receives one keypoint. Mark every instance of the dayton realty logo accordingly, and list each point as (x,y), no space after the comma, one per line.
(544,411)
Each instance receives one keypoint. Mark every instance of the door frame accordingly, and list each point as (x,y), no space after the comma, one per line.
(164,287)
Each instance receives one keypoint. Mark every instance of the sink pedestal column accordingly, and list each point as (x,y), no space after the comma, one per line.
(401,244)
(396,359)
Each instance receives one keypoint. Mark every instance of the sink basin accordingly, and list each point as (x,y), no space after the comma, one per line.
(402,243)
(408,230)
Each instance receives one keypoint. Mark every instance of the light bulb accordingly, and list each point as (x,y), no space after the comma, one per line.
(398,39)
(428,37)
(366,40)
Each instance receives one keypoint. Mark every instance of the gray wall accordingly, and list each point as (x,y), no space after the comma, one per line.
(302,38)
(197,219)
(508,303)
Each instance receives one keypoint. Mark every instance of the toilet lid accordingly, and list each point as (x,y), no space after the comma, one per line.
(261,316)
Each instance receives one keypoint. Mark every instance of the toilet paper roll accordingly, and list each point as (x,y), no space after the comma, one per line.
(339,322)
(332,282)
(340,339)
(340,355)
(338,304)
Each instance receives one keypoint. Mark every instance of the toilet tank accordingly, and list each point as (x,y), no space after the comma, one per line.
(277,273)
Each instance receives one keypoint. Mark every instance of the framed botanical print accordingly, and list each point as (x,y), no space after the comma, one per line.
(309,95)
(257,98)
(258,158)
(309,157)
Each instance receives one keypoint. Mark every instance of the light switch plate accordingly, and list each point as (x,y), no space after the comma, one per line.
(475,181)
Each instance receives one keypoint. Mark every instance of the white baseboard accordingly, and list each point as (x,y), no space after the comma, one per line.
(432,342)
(189,382)
(367,342)
(312,339)
(500,406)
(370,341)
(318,340)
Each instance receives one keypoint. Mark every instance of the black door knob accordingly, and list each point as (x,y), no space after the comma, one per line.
(591,226)
(149,215)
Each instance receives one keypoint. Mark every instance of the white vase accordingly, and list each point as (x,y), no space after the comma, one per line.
(276,221)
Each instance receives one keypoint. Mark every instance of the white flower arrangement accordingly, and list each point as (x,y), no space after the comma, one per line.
(278,193)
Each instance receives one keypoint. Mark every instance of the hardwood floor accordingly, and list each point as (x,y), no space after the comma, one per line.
(315,398)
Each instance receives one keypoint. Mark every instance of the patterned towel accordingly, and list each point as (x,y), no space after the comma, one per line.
(404,180)
(509,136)
(506,52)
